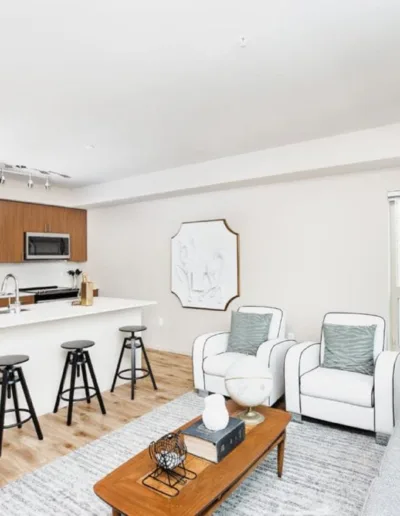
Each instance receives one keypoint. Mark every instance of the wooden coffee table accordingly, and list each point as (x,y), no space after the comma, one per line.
(125,493)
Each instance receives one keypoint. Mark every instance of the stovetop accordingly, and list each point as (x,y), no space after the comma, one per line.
(48,290)
(52,292)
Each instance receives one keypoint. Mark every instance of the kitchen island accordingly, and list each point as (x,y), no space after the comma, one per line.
(40,329)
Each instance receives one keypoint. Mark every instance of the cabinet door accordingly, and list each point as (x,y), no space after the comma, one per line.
(34,218)
(11,232)
(77,228)
(56,219)
(40,218)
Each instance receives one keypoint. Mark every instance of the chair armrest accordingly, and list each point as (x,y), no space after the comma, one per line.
(273,353)
(203,347)
(300,359)
(386,383)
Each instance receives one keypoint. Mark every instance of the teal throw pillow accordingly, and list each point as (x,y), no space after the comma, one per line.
(349,348)
(248,331)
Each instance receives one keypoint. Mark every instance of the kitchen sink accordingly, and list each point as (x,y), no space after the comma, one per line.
(6,311)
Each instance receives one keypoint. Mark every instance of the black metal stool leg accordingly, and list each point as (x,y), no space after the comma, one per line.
(94,380)
(148,363)
(72,388)
(133,366)
(3,397)
(60,389)
(16,404)
(118,365)
(85,382)
(29,402)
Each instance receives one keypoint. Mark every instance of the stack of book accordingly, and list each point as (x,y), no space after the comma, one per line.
(210,445)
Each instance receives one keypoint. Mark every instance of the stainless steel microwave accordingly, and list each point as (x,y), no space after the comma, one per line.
(47,246)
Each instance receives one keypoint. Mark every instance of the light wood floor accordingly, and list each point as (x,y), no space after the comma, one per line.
(23,452)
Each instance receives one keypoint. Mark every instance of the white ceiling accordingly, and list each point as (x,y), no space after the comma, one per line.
(157,84)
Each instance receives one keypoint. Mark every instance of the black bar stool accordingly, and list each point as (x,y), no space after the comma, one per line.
(78,359)
(133,343)
(11,376)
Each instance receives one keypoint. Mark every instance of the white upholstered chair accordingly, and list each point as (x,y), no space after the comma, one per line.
(348,398)
(211,359)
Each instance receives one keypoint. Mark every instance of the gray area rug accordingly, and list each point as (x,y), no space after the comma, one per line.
(327,471)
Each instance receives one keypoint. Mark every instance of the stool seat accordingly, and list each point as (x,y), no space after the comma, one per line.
(133,329)
(12,360)
(77,344)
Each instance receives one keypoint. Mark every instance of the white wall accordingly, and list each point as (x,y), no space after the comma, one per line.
(370,149)
(308,246)
(40,274)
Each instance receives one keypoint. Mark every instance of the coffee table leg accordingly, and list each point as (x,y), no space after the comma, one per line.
(281,453)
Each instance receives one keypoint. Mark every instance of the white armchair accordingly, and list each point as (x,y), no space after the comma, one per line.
(343,397)
(211,359)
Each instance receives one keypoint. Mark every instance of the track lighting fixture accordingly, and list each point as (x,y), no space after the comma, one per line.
(22,171)
(30,181)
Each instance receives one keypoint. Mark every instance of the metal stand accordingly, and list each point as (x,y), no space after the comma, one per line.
(10,377)
(133,343)
(251,417)
(78,360)
(179,475)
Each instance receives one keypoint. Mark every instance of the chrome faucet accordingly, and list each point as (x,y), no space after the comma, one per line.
(16,306)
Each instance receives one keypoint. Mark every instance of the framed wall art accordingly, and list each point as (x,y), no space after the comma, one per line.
(205,264)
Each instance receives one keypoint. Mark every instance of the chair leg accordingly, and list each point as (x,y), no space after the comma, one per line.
(72,388)
(148,363)
(85,382)
(94,380)
(30,404)
(297,418)
(118,365)
(16,404)
(133,367)
(3,397)
(382,439)
(61,387)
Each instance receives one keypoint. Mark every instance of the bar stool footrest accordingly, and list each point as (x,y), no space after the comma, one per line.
(23,421)
(145,375)
(76,389)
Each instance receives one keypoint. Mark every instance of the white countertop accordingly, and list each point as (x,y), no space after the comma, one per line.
(56,310)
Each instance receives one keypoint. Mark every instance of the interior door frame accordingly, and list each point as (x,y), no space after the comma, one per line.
(394,256)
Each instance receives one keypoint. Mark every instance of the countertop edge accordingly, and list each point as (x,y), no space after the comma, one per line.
(19,320)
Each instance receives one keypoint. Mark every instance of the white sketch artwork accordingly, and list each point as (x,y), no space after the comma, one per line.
(204,262)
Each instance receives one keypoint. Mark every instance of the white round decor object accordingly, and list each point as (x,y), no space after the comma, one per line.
(249,381)
(215,415)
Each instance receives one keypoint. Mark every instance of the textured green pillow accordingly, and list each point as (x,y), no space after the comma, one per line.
(349,348)
(248,331)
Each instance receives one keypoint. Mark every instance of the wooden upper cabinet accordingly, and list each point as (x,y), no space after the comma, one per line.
(39,218)
(17,218)
(11,232)
(77,228)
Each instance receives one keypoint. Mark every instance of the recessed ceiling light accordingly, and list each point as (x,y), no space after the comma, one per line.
(89,147)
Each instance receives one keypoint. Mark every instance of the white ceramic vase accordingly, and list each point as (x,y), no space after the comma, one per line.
(215,415)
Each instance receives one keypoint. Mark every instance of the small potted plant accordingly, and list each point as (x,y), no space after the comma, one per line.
(72,274)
